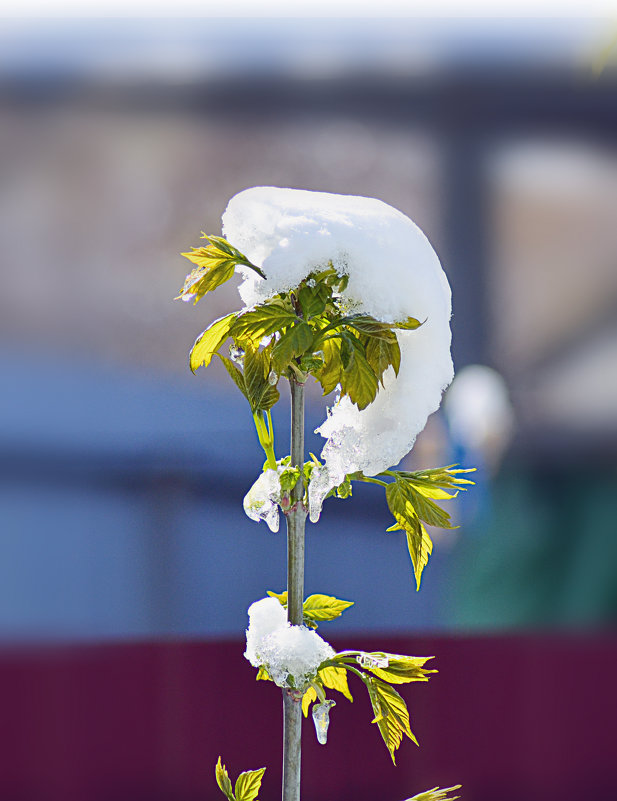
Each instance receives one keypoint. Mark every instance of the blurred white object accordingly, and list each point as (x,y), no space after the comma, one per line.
(479,412)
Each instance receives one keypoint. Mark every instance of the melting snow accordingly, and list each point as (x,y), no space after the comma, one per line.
(290,654)
(393,273)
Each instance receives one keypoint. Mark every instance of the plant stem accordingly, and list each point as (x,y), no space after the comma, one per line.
(296,517)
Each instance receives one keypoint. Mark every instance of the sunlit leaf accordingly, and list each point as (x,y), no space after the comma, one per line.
(235,373)
(369,325)
(357,379)
(330,374)
(410,324)
(381,352)
(262,675)
(436,794)
(324,607)
(248,784)
(260,393)
(282,597)
(207,276)
(401,669)
(313,299)
(391,715)
(419,543)
(264,320)
(208,342)
(294,342)
(335,678)
(223,781)
(307,699)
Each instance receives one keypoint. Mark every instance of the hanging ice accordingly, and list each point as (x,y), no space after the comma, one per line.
(393,273)
(261,501)
(321,719)
(290,654)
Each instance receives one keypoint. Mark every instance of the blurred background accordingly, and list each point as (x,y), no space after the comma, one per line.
(126,562)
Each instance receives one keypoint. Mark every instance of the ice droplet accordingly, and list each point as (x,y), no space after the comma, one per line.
(261,501)
(272,378)
(321,719)
(369,661)
(319,486)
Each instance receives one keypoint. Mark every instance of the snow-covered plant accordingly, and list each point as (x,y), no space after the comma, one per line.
(349,292)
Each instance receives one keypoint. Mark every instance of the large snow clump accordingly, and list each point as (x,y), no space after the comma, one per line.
(394,273)
(290,654)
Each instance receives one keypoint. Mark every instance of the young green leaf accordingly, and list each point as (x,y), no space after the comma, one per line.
(419,543)
(427,510)
(235,373)
(282,597)
(209,341)
(358,379)
(381,352)
(401,669)
(313,299)
(223,781)
(366,324)
(335,678)
(248,784)
(391,715)
(330,374)
(264,320)
(307,699)
(294,342)
(324,607)
(410,324)
(208,276)
(437,795)
(260,393)
(262,675)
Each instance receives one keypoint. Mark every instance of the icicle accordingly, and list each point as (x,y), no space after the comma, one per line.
(321,719)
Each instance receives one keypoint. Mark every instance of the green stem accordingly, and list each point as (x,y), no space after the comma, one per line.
(265,434)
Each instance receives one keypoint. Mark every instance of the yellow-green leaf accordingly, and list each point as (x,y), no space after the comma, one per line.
(330,374)
(419,543)
(391,715)
(223,781)
(264,320)
(248,784)
(262,675)
(294,342)
(210,273)
(436,794)
(260,393)
(427,510)
(409,324)
(401,669)
(235,373)
(324,607)
(335,678)
(381,353)
(282,596)
(307,699)
(209,341)
(358,380)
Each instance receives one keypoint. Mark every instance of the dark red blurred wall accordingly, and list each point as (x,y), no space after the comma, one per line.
(508,717)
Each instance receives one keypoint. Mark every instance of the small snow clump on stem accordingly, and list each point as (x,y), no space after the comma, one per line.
(290,654)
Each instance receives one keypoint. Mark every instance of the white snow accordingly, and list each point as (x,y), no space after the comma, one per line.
(261,501)
(393,273)
(290,654)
